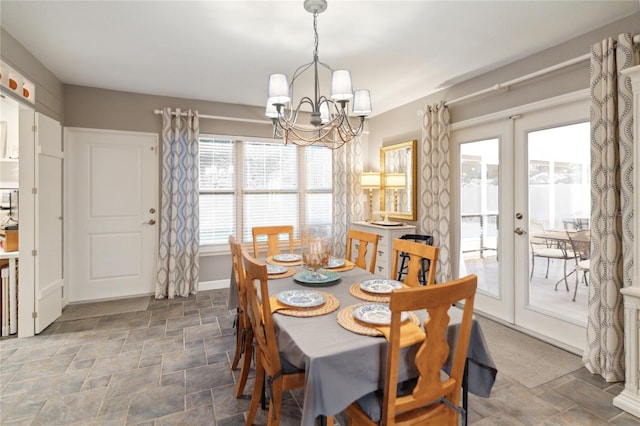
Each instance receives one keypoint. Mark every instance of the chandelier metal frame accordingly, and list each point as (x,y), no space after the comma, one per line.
(329,122)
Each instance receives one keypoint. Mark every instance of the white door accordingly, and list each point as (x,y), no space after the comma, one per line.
(48,219)
(514,170)
(111,213)
(552,157)
(481,173)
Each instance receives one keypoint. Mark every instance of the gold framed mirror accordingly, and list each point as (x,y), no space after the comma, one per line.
(398,184)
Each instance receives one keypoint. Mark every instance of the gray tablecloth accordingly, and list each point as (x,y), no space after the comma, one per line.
(342,366)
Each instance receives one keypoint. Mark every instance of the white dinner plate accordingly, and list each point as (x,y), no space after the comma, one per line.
(276,269)
(376,313)
(380,285)
(287,257)
(301,298)
(334,262)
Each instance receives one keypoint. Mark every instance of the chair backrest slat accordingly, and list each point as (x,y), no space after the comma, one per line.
(368,243)
(272,233)
(416,252)
(433,352)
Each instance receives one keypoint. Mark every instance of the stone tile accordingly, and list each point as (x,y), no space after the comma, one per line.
(615,388)
(225,403)
(182,322)
(149,361)
(177,377)
(201,332)
(144,334)
(20,406)
(27,354)
(174,333)
(218,344)
(194,344)
(574,416)
(183,360)
(130,382)
(198,399)
(200,416)
(105,420)
(70,408)
(156,403)
(589,397)
(236,420)
(96,382)
(78,325)
(162,346)
(625,419)
(593,379)
(174,310)
(43,367)
(115,405)
(556,400)
(218,357)
(82,364)
(208,376)
(133,346)
(115,364)
(100,349)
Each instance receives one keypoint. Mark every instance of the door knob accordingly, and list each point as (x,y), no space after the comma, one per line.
(519,231)
(150,222)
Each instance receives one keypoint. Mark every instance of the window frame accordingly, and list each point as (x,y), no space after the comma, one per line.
(238,192)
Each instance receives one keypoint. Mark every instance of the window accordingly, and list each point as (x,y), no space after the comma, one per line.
(246,183)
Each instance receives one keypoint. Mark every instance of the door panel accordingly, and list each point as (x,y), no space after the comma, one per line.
(48,271)
(113,203)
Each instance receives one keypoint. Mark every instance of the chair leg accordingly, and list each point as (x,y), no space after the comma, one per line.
(275,405)
(240,330)
(257,389)
(246,363)
(548,262)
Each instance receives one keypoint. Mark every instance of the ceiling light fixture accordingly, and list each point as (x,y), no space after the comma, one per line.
(329,123)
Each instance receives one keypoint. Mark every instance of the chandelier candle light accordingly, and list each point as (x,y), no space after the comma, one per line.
(329,122)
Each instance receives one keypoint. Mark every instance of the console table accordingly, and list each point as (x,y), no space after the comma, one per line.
(385,243)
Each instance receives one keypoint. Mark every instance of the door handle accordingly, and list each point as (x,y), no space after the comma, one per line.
(150,222)
(519,231)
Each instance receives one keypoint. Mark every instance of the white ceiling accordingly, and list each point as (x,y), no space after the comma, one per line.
(224,50)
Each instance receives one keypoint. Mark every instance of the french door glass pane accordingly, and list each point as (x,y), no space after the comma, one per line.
(479,181)
(559,201)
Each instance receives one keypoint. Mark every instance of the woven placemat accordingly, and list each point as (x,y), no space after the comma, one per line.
(347,267)
(346,320)
(277,262)
(331,304)
(359,293)
(290,272)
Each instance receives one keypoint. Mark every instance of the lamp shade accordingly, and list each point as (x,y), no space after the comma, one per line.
(278,89)
(361,103)
(341,89)
(271,110)
(395,180)
(370,180)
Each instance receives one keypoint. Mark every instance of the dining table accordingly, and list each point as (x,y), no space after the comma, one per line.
(341,365)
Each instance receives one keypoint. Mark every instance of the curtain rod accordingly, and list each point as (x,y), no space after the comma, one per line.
(506,85)
(219,117)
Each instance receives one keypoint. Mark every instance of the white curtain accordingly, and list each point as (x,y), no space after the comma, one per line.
(434,209)
(348,198)
(178,263)
(611,203)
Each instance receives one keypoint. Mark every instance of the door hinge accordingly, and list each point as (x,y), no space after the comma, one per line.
(34,315)
(34,191)
(34,128)
(34,252)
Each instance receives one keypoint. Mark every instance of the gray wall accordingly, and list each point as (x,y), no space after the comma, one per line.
(49,92)
(87,107)
(403,123)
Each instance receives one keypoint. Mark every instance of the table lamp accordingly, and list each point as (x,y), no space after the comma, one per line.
(370,181)
(395,181)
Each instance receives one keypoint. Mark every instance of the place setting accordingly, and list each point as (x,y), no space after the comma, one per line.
(285,259)
(374,319)
(303,303)
(375,290)
(278,271)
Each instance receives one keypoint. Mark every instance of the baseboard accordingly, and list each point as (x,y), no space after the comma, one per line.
(213,285)
(628,402)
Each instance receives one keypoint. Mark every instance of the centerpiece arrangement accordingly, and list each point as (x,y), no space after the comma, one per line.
(316,252)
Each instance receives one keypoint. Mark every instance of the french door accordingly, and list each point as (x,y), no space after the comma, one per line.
(522,178)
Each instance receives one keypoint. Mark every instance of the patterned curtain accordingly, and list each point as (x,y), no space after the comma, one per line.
(611,204)
(348,197)
(178,264)
(435,197)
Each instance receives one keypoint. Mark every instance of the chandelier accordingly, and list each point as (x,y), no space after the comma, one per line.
(329,121)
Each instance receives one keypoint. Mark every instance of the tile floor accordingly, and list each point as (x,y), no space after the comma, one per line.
(169,365)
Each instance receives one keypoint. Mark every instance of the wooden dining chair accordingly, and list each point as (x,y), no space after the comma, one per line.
(417,252)
(365,241)
(272,233)
(431,399)
(244,332)
(402,269)
(581,246)
(280,374)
